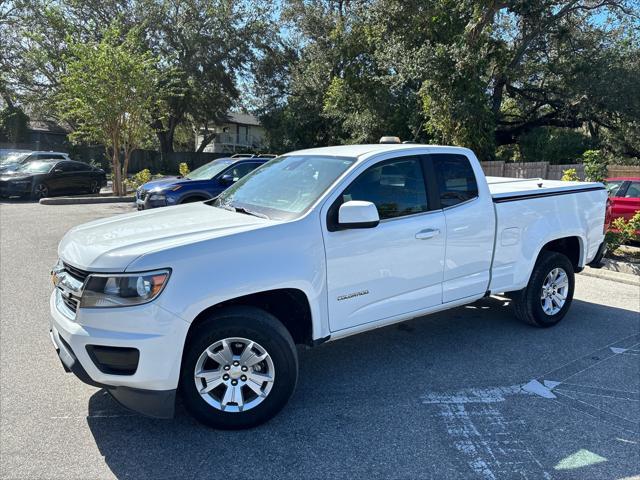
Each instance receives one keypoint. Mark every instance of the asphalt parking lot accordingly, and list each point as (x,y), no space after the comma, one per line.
(466,394)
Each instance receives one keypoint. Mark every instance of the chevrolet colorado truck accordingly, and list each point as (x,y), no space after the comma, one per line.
(209,299)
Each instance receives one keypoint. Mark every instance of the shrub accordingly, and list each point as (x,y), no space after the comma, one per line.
(570,175)
(140,178)
(595,166)
(625,232)
(184,169)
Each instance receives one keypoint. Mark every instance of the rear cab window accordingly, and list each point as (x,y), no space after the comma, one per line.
(455,178)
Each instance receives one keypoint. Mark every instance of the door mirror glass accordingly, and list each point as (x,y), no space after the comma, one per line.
(358,214)
(227,179)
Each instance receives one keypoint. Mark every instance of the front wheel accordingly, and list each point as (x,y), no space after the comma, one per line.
(547,297)
(40,190)
(239,368)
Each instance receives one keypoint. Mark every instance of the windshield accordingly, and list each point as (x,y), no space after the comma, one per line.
(35,167)
(14,158)
(209,170)
(284,187)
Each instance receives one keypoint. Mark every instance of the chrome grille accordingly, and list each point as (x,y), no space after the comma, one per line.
(69,285)
(69,301)
(76,273)
(141,194)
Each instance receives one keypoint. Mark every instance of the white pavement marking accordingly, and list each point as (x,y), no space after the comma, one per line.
(479,431)
(537,388)
(625,351)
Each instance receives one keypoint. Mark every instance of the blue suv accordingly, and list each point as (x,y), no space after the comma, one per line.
(203,183)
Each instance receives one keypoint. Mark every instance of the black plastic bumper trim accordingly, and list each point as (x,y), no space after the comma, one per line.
(602,251)
(152,403)
(114,360)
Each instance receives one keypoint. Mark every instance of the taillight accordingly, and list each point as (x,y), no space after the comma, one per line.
(607,215)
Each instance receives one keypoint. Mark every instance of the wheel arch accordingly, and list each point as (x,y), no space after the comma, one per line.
(289,305)
(571,247)
(194,197)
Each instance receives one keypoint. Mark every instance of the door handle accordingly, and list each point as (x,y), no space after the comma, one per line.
(427,233)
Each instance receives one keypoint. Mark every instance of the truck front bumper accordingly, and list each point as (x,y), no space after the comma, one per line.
(149,386)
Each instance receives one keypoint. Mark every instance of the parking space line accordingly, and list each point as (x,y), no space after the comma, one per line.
(597,413)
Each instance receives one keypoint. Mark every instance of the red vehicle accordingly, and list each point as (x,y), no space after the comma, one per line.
(624,195)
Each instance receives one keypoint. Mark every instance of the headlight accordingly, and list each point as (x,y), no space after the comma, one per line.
(157,196)
(123,290)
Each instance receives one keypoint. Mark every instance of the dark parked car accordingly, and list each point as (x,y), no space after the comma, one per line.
(13,160)
(43,178)
(203,183)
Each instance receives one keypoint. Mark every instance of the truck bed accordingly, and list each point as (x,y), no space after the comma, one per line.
(510,189)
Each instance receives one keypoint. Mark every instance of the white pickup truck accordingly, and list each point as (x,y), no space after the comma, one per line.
(209,299)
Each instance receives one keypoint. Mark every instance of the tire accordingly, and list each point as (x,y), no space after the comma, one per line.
(192,200)
(528,303)
(94,187)
(238,326)
(40,190)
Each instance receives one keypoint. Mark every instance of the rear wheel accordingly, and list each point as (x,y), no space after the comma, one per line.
(239,368)
(548,296)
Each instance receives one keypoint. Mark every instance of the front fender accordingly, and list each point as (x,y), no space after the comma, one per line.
(278,256)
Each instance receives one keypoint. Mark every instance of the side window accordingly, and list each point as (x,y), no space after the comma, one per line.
(49,156)
(242,169)
(613,187)
(455,178)
(67,167)
(395,187)
(633,191)
(82,167)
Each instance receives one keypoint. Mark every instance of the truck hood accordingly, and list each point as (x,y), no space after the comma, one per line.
(111,244)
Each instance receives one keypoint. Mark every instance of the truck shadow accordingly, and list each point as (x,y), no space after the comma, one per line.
(357,411)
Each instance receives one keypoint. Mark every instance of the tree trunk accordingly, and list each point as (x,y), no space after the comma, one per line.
(165,135)
(117,174)
(125,169)
(206,140)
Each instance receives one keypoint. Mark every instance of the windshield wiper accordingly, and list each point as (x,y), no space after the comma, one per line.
(249,212)
(233,208)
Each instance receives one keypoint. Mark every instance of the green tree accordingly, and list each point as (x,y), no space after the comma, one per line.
(474,73)
(595,166)
(110,94)
(205,46)
(13,124)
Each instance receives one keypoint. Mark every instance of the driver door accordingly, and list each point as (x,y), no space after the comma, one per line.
(396,267)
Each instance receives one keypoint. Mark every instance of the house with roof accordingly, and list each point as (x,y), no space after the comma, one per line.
(239,133)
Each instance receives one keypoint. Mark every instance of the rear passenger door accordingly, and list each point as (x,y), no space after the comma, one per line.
(470,227)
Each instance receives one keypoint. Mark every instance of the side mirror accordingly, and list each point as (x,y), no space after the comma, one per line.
(227,180)
(358,214)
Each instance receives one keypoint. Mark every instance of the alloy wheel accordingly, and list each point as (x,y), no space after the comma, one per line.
(555,290)
(40,190)
(234,374)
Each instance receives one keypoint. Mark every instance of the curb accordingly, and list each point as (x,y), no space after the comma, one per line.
(84,200)
(604,274)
